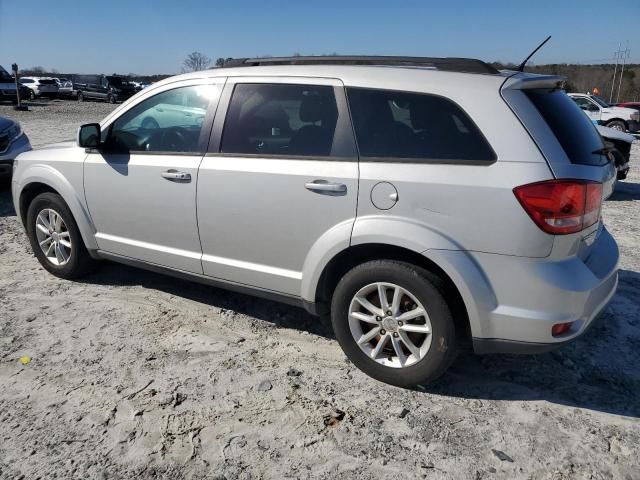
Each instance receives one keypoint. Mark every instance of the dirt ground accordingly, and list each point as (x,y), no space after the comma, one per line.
(137,375)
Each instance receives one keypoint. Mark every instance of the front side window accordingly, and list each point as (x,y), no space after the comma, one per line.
(585,104)
(275,119)
(404,125)
(170,121)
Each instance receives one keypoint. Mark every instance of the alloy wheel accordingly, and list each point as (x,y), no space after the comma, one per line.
(53,237)
(390,325)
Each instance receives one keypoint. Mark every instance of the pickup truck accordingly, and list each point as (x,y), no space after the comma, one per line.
(618,118)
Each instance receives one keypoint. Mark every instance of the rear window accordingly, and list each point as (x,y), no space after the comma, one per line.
(47,81)
(573,129)
(418,127)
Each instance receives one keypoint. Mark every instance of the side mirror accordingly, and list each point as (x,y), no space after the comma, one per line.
(89,135)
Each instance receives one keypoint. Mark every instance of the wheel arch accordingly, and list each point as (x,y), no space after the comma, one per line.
(354,255)
(43,179)
(616,119)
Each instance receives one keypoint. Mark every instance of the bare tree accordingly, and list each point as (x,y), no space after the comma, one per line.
(196,61)
(220,62)
(37,70)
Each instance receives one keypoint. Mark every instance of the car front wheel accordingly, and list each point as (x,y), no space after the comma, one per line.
(55,238)
(393,322)
(617,125)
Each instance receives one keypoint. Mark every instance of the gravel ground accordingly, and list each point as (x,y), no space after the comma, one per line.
(137,375)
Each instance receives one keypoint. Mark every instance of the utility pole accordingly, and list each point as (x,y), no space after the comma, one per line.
(615,71)
(625,57)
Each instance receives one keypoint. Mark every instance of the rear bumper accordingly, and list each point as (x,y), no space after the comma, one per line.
(513,302)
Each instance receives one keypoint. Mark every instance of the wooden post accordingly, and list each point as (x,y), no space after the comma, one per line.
(19,106)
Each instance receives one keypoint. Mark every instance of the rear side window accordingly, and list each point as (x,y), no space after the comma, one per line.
(573,129)
(280,119)
(401,125)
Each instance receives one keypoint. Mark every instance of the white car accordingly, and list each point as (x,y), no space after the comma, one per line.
(65,87)
(40,87)
(618,118)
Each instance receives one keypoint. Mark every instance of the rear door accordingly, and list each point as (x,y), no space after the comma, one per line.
(281,176)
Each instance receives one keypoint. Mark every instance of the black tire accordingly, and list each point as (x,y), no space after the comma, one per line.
(32,95)
(618,125)
(80,97)
(80,262)
(427,288)
(111,99)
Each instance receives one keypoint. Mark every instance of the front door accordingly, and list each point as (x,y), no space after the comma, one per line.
(281,177)
(141,187)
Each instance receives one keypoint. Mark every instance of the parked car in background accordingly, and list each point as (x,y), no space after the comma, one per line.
(619,144)
(40,87)
(397,195)
(634,105)
(65,87)
(107,88)
(13,142)
(7,87)
(619,118)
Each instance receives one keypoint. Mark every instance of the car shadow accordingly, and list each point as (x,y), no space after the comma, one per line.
(598,371)
(279,314)
(6,202)
(625,191)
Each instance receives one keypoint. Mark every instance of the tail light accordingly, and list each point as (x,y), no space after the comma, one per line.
(560,207)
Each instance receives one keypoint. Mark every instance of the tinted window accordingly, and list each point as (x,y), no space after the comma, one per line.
(585,104)
(412,125)
(26,80)
(280,120)
(570,125)
(170,121)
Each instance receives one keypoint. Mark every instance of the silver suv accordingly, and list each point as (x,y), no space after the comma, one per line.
(423,203)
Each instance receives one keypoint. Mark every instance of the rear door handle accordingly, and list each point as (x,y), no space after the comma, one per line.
(176,176)
(325,186)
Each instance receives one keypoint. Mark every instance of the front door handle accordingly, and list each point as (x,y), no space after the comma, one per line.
(176,176)
(323,186)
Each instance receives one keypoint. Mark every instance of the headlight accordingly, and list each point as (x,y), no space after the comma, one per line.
(14,131)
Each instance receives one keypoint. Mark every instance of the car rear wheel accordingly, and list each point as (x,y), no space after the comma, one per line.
(80,97)
(111,99)
(55,238)
(617,125)
(393,322)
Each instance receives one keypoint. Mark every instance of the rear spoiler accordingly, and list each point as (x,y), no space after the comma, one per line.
(527,81)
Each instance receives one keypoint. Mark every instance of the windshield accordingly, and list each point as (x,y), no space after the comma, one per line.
(600,101)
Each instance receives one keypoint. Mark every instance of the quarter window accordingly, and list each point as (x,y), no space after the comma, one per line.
(170,121)
(270,119)
(402,125)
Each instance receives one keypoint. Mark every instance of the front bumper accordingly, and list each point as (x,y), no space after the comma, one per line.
(19,145)
(531,295)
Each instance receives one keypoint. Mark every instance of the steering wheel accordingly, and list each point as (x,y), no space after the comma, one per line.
(174,140)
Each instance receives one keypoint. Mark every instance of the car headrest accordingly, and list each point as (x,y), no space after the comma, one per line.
(315,108)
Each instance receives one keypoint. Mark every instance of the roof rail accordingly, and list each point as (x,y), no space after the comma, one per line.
(450,64)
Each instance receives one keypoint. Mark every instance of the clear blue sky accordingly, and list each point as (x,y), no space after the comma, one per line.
(140,36)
